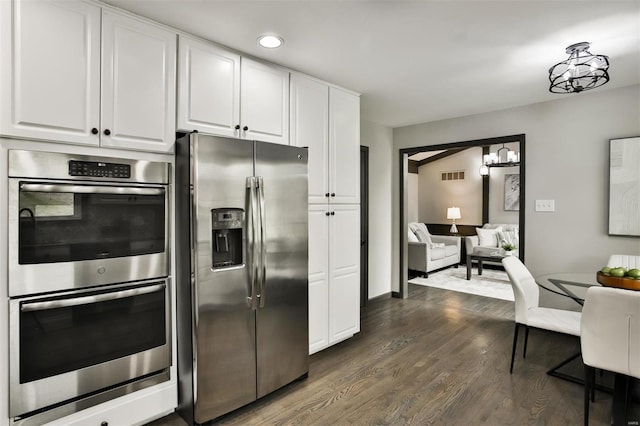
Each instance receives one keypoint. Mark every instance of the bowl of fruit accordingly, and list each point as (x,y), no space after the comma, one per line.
(619,277)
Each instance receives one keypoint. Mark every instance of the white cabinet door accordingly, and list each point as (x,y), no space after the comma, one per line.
(50,70)
(344,147)
(138,84)
(264,102)
(208,88)
(318,278)
(344,264)
(310,128)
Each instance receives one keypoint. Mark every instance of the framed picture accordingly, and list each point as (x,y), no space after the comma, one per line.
(624,186)
(512,192)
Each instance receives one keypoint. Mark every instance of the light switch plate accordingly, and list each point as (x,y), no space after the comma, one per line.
(545,205)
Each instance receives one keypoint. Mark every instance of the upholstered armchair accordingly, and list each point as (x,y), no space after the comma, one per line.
(430,252)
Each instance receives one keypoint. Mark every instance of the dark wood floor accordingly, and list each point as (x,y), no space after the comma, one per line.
(438,357)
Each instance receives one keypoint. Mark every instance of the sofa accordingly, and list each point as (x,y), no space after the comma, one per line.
(430,252)
(491,236)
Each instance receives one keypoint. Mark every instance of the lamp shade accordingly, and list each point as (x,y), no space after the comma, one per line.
(453,213)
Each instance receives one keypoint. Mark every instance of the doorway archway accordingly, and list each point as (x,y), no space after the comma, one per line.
(487,142)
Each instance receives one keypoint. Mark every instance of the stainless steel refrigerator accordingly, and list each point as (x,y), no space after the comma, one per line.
(242,289)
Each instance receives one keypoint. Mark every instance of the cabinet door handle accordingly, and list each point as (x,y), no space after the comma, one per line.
(326,195)
(107,132)
(245,128)
(333,213)
(237,127)
(333,194)
(327,213)
(94,131)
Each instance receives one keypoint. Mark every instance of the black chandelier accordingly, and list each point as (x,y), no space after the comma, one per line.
(581,71)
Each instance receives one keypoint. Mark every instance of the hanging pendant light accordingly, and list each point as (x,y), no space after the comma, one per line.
(581,71)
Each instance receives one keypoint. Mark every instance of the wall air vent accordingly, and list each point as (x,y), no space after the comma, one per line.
(453,175)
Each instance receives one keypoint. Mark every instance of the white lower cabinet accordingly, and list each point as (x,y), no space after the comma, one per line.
(334,274)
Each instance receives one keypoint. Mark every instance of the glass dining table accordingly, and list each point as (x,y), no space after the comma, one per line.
(574,285)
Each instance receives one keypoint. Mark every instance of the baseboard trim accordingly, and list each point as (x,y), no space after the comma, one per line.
(381,296)
(396,294)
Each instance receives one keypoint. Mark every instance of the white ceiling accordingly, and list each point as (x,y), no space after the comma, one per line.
(419,61)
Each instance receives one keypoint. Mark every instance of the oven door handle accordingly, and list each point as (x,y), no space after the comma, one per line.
(86,300)
(90,189)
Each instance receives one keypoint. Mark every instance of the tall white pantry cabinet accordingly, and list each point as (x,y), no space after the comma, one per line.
(327,121)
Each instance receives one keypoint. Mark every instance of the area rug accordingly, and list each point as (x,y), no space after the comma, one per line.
(492,283)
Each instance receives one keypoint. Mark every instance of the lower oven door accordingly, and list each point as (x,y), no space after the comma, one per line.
(71,344)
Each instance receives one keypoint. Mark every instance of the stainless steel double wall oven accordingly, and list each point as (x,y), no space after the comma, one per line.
(89,299)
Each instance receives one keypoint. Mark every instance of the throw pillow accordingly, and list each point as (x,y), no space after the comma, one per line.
(420,229)
(411,237)
(510,237)
(488,237)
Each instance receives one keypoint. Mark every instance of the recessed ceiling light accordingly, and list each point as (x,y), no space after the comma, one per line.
(270,41)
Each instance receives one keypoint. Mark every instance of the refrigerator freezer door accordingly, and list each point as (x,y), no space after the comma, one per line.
(282,332)
(225,364)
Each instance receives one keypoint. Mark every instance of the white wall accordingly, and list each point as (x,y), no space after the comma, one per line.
(567,160)
(436,195)
(379,139)
(413,195)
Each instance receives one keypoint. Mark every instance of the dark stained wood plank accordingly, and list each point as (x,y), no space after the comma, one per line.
(437,357)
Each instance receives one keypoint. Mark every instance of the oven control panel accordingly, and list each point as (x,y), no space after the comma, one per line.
(98,169)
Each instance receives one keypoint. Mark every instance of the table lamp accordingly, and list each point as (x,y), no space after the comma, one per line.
(453,213)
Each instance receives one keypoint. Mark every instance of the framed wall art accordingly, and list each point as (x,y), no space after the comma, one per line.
(512,192)
(624,186)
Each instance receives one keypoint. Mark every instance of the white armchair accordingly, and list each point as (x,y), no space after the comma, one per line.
(491,236)
(430,252)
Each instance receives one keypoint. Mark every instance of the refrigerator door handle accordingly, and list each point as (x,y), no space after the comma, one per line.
(263,249)
(251,242)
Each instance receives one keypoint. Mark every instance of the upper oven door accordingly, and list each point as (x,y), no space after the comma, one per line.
(65,235)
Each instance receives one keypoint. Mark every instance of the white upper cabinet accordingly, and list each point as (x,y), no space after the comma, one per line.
(221,93)
(344,147)
(327,121)
(310,129)
(50,70)
(264,102)
(208,88)
(53,68)
(138,84)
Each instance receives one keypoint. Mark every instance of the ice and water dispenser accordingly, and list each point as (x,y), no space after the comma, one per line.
(226,236)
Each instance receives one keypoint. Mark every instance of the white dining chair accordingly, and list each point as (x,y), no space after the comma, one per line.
(528,311)
(610,335)
(628,261)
